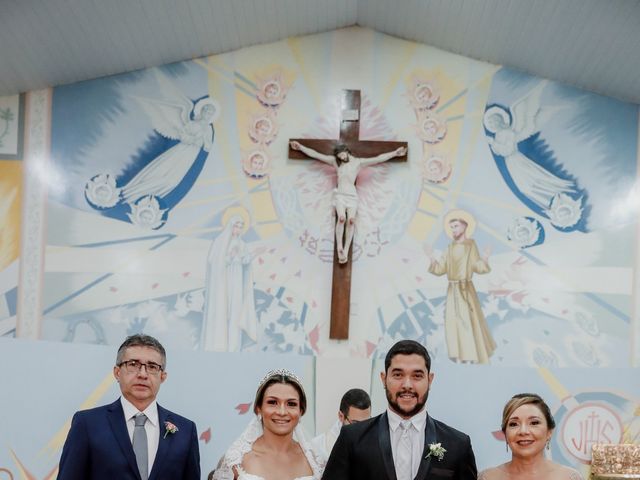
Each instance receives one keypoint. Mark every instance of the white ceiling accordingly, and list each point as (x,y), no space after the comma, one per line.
(592,44)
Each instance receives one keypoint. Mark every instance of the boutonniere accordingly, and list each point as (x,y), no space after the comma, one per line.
(169,428)
(436,450)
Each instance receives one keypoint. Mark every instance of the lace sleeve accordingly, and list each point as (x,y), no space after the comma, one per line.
(316,461)
(233,456)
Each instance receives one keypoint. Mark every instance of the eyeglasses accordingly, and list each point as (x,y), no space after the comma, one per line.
(134,366)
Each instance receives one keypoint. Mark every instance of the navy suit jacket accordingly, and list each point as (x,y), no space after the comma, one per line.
(98,447)
(363,452)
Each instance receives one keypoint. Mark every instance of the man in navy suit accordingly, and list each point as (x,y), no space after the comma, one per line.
(404,443)
(133,438)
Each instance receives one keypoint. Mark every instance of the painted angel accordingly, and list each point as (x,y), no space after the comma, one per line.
(532,175)
(189,127)
(263,127)
(272,91)
(188,123)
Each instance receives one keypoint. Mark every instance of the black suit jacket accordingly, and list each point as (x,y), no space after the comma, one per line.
(363,452)
(98,447)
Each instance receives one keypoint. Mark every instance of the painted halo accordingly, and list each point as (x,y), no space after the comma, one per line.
(459,214)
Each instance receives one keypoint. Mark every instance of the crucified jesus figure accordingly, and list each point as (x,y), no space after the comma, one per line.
(345,198)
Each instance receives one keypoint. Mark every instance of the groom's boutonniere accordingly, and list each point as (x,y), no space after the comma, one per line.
(436,450)
(169,428)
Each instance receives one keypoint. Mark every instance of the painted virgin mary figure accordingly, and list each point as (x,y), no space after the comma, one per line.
(466,332)
(229,309)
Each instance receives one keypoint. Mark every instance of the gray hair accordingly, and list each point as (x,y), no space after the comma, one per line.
(141,340)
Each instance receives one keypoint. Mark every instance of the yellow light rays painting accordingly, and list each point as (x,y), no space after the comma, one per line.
(557,388)
(397,67)
(10,205)
(54,446)
(27,475)
(56,443)
(305,64)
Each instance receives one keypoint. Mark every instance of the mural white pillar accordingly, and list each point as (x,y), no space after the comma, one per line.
(36,159)
(334,376)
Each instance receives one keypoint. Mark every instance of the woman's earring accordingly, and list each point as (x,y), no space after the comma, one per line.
(259,417)
(506,444)
(548,444)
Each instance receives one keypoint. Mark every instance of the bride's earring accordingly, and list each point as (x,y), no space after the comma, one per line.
(259,417)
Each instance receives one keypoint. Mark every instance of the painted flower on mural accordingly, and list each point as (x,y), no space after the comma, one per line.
(586,353)
(564,211)
(588,323)
(146,213)
(272,91)
(101,191)
(431,128)
(424,96)
(437,169)
(525,232)
(256,163)
(543,356)
(263,128)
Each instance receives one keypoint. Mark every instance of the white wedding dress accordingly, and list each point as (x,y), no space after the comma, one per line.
(247,476)
(233,457)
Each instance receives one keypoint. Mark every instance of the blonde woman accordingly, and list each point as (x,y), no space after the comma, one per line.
(527,424)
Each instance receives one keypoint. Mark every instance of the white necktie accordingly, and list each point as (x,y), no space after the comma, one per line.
(140,445)
(404,453)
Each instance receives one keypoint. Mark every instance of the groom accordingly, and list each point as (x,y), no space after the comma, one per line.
(404,443)
(133,438)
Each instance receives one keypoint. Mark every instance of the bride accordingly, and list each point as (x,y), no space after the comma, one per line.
(273,446)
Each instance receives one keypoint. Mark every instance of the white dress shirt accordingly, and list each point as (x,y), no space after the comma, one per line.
(418,424)
(323,443)
(151,426)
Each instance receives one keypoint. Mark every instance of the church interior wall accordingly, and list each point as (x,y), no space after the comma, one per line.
(163,201)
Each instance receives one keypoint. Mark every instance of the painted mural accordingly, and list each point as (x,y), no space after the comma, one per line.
(11,173)
(177,207)
(506,243)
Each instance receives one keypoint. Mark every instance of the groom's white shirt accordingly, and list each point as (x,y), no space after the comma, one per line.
(418,422)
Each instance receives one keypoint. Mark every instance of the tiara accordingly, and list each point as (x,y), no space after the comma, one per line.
(281,372)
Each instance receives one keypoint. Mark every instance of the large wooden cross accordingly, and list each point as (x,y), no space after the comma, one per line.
(350,136)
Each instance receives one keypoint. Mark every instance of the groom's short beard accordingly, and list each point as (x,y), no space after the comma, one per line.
(396,407)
